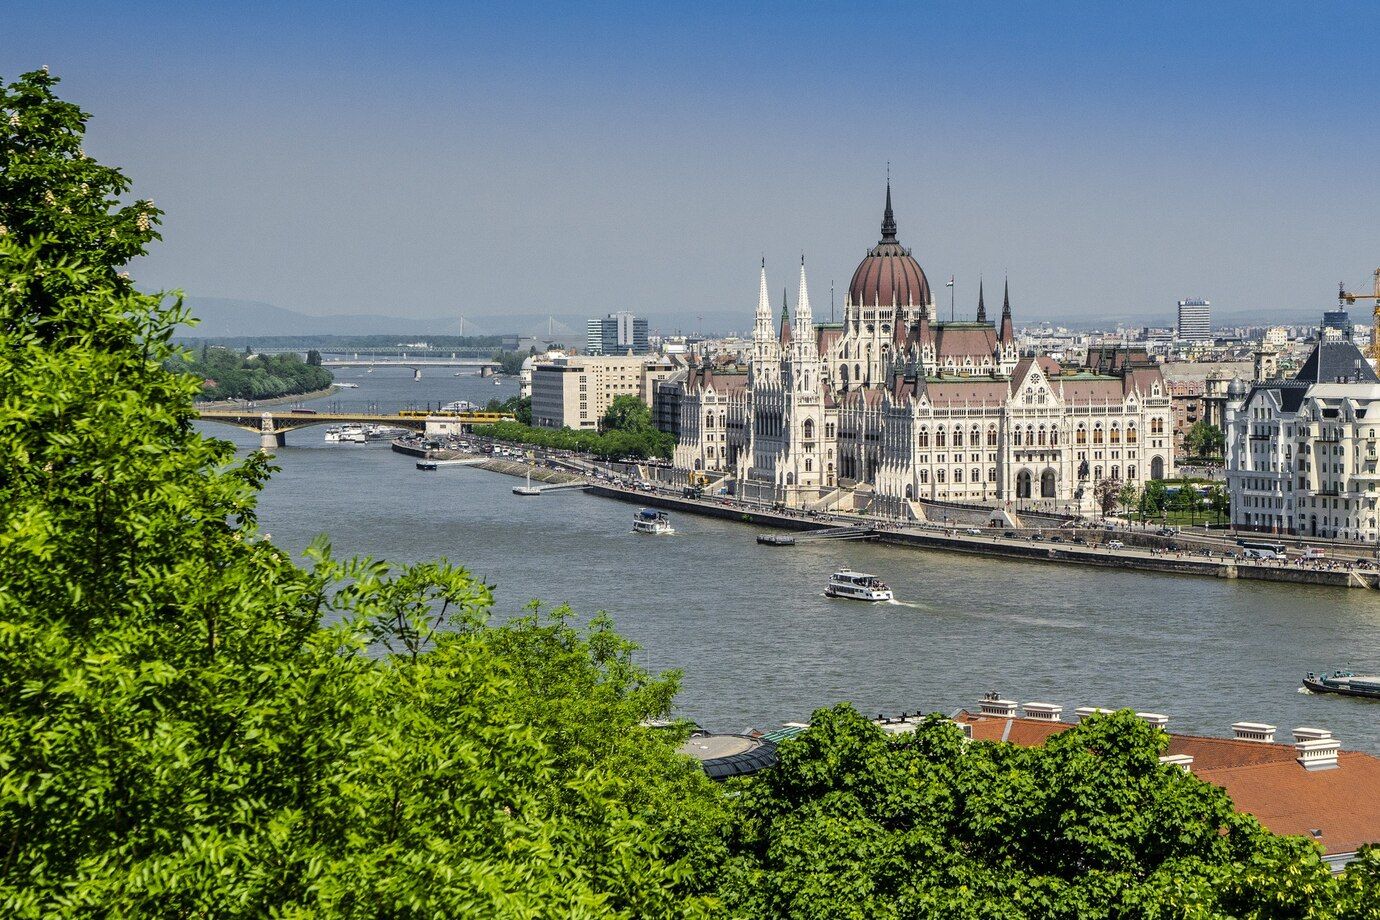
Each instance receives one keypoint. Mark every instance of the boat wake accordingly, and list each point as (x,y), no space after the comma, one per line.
(895,603)
(1304,690)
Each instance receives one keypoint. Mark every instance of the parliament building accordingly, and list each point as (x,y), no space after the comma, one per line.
(892,407)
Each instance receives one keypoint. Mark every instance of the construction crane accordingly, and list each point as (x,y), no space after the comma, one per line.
(1346,297)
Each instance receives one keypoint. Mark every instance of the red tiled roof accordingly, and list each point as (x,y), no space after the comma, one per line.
(965,341)
(1263,780)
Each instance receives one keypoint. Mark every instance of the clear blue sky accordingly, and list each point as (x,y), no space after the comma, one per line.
(422,159)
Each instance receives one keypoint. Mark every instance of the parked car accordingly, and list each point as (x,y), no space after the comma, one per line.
(1115,544)
(1009,533)
(973,532)
(1081,541)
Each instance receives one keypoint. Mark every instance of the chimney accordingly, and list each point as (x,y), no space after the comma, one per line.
(1254,731)
(1084,711)
(1182,761)
(1045,712)
(1157,719)
(992,705)
(1316,748)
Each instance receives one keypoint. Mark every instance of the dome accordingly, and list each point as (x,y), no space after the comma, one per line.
(889,274)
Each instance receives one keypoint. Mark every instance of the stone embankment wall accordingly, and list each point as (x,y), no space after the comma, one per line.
(989,545)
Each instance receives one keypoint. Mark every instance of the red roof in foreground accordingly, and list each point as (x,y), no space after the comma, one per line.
(1263,780)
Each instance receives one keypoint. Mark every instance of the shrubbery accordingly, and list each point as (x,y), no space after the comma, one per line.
(228,375)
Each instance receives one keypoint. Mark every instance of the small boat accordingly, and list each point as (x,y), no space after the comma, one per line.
(346,434)
(428,465)
(1344,683)
(347,386)
(857,586)
(528,489)
(649,520)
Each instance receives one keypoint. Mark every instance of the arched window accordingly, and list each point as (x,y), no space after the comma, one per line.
(790,479)
(939,475)
(1054,437)
(1157,468)
(1097,436)
(939,438)
(958,437)
(709,420)
(1042,435)
(1081,435)
(1116,471)
(975,436)
(1130,471)
(809,429)
(958,475)
(924,477)
(1023,479)
(924,437)
(1115,436)
(1016,436)
(992,436)
(809,464)
(910,491)
(1131,435)
(1047,481)
(1097,474)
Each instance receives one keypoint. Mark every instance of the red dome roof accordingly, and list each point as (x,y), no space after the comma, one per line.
(889,274)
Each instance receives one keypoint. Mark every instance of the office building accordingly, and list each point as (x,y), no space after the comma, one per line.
(616,334)
(1195,320)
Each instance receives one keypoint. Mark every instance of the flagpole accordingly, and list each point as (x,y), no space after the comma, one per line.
(951,298)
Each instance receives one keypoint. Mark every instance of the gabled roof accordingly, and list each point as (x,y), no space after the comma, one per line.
(960,340)
(1336,362)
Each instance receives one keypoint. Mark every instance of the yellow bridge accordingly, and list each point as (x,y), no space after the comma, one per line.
(272,427)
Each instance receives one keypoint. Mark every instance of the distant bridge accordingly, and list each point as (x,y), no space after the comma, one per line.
(272,429)
(367,361)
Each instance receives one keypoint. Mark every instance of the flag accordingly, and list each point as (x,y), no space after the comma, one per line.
(950,282)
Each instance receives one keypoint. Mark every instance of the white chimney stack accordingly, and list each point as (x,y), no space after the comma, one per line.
(1084,711)
(1304,733)
(1045,712)
(1254,731)
(991,705)
(1316,748)
(1183,761)
(1157,719)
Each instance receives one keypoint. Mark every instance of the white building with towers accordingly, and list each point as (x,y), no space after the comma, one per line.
(892,408)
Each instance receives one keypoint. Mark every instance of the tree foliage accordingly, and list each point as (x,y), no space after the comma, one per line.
(853,823)
(1204,440)
(192,725)
(224,374)
(1106,492)
(612,445)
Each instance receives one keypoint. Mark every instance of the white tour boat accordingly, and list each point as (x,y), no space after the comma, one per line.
(346,434)
(649,520)
(857,586)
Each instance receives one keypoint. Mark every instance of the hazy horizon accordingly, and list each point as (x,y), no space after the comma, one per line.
(433,160)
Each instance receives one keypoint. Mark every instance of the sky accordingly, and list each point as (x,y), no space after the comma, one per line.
(434,159)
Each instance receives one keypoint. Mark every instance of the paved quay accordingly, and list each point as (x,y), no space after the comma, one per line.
(994,545)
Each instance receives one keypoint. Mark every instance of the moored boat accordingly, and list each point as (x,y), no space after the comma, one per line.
(649,520)
(1344,683)
(857,586)
(428,465)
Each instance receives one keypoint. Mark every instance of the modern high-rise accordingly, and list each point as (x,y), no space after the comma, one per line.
(1195,320)
(616,334)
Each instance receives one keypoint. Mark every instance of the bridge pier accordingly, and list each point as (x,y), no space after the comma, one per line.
(270,439)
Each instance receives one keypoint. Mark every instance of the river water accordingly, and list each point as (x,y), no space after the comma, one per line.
(758,642)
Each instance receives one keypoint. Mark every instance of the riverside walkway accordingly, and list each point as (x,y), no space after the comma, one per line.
(996,544)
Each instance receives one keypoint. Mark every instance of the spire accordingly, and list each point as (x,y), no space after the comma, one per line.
(1008,335)
(982,308)
(785,320)
(888,219)
(803,317)
(763,301)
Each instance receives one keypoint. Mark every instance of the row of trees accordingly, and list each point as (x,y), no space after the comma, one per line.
(225,374)
(626,433)
(191,724)
(1156,499)
(1204,441)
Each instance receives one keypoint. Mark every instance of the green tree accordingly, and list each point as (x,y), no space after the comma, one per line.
(1153,498)
(627,413)
(1204,440)
(313,358)
(192,725)
(1105,492)
(1218,501)
(1188,500)
(1127,497)
(854,823)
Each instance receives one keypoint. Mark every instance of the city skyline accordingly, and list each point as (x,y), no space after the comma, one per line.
(429,161)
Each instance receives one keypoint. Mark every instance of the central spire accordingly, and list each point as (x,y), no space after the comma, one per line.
(888,219)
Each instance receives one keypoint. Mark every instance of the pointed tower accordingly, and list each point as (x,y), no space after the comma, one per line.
(982,308)
(804,318)
(1008,336)
(888,219)
(785,323)
(1006,349)
(765,352)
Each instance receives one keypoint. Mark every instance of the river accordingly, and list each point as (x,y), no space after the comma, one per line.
(759,644)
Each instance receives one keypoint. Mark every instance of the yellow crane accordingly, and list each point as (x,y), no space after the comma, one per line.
(1345,297)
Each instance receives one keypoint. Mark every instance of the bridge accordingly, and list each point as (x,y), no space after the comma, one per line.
(404,361)
(272,429)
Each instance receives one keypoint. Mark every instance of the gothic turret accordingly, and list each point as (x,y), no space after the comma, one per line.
(982,308)
(785,322)
(1008,335)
